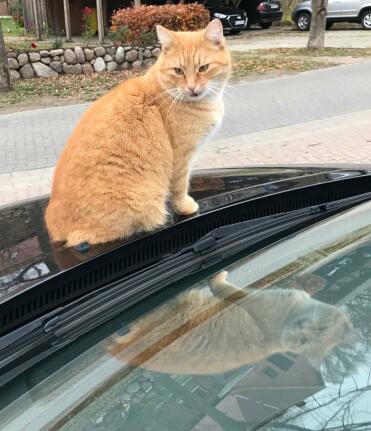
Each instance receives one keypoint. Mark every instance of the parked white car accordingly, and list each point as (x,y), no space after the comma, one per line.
(337,11)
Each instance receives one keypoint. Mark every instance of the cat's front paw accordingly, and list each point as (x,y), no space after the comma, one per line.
(218,278)
(186,206)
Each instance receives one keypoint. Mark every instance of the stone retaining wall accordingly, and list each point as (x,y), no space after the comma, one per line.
(79,60)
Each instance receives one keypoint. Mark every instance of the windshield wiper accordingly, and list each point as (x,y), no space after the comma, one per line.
(25,346)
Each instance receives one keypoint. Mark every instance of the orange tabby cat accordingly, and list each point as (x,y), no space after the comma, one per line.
(132,149)
(197,333)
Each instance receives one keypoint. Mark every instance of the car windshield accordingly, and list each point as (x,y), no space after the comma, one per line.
(277,340)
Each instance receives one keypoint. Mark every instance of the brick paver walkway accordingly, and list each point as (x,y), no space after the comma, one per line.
(345,139)
(321,117)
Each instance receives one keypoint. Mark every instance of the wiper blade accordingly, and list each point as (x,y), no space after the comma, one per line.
(25,346)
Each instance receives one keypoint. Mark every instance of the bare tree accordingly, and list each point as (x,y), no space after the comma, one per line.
(318,24)
(4,70)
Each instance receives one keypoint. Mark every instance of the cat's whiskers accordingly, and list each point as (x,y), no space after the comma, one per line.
(164,96)
(177,99)
(220,89)
(213,91)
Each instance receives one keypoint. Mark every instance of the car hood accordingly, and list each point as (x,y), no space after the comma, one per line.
(27,256)
(236,366)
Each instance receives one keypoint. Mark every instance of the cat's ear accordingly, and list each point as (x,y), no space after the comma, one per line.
(214,32)
(164,37)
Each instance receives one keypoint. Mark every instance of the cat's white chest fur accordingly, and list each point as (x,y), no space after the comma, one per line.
(207,122)
(214,122)
(217,118)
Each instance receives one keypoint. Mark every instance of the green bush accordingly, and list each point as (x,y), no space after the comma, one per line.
(56,42)
(119,35)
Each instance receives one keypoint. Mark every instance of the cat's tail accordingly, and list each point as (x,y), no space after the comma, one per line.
(54,222)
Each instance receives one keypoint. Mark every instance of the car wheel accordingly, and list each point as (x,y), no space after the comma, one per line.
(303,21)
(366,20)
(329,25)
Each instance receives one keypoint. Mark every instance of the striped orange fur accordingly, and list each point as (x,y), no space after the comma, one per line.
(131,151)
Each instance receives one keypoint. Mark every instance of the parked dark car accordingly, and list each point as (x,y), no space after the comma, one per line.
(263,13)
(233,19)
(276,272)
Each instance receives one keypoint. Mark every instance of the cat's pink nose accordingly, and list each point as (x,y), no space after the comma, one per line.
(193,91)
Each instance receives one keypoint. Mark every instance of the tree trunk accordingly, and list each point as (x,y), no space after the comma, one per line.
(318,24)
(4,70)
(137,3)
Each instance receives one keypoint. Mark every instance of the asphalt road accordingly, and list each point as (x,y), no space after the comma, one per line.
(337,37)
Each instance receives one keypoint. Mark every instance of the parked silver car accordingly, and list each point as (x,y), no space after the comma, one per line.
(337,11)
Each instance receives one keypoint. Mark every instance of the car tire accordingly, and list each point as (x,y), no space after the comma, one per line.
(265,24)
(366,20)
(303,21)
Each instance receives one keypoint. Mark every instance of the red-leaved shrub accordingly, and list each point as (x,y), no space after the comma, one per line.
(139,22)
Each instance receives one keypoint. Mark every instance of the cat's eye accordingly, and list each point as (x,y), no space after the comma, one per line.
(178,71)
(203,68)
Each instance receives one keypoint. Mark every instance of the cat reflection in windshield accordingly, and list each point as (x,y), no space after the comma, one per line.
(196,333)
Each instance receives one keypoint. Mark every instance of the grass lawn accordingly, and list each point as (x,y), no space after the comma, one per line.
(259,63)
(68,89)
(10,28)
(23,42)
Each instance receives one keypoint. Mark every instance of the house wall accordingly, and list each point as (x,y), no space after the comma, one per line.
(51,12)
(55,14)
(29,14)
(5,7)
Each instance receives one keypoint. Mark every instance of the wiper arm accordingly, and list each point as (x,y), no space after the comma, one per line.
(67,323)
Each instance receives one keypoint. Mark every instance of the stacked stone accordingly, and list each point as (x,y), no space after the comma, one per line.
(77,61)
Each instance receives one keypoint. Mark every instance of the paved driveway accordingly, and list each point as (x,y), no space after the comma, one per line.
(316,117)
(335,38)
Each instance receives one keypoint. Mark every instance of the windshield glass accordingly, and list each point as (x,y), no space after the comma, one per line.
(278,340)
